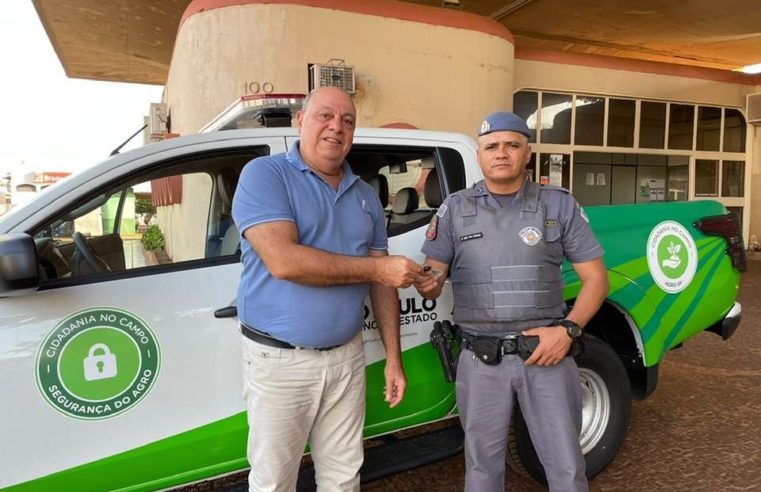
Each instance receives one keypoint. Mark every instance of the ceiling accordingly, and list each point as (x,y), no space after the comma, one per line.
(132,40)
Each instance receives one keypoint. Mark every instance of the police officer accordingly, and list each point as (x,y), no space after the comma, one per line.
(505,239)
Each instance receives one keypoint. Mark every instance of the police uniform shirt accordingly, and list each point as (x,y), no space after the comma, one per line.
(563,211)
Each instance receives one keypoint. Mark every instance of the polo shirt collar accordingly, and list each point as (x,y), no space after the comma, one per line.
(294,158)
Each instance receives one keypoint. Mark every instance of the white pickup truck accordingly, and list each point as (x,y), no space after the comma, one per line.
(119,359)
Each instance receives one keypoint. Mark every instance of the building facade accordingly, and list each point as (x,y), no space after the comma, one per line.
(613,131)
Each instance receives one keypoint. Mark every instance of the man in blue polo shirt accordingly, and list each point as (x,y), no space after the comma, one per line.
(315,247)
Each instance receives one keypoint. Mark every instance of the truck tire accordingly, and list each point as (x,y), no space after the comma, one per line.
(605,414)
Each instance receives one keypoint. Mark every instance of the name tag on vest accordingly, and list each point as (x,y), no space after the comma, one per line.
(476,235)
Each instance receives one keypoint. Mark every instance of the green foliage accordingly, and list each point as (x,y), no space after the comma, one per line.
(153,239)
(144,206)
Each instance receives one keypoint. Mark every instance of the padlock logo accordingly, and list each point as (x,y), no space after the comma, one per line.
(98,363)
(102,366)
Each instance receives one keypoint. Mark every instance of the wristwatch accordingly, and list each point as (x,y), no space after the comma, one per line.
(571,328)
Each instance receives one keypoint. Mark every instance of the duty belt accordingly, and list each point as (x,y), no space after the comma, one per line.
(508,344)
(267,339)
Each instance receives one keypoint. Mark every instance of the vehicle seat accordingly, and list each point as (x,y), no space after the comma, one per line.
(406,215)
(404,210)
(380,185)
(432,190)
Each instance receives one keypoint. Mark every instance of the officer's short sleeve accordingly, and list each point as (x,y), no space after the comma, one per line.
(439,243)
(579,242)
(261,195)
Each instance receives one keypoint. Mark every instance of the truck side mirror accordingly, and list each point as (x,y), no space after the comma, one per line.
(19,265)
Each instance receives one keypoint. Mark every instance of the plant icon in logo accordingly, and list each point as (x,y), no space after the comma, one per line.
(672,256)
(673,260)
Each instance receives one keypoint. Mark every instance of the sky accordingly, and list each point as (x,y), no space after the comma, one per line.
(49,122)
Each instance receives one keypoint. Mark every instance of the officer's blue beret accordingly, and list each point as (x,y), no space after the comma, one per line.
(503,121)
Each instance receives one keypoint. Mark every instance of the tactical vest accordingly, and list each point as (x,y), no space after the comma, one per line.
(506,271)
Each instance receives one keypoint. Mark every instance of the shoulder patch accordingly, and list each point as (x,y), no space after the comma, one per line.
(430,233)
(442,210)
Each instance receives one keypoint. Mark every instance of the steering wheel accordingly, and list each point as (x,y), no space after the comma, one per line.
(88,254)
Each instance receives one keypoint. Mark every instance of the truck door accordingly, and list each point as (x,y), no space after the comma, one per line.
(120,372)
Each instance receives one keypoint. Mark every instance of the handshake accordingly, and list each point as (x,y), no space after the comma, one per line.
(401,272)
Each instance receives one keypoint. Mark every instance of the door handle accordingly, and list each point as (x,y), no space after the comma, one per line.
(226,312)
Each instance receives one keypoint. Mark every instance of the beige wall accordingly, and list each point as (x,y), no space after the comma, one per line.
(433,77)
(184,224)
(430,76)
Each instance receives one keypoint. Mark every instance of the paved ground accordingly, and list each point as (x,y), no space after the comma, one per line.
(699,431)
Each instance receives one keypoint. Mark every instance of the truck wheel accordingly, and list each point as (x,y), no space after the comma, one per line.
(605,414)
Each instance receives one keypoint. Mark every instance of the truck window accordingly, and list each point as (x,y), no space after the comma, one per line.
(173,215)
(410,181)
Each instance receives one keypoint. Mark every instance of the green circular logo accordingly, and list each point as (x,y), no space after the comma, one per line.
(97,363)
(672,256)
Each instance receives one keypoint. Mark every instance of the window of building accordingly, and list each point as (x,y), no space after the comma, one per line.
(525,105)
(602,178)
(621,122)
(531,167)
(652,174)
(681,124)
(738,211)
(652,125)
(733,178)
(555,169)
(706,177)
(590,120)
(678,178)
(734,131)
(593,182)
(709,128)
(555,119)
(700,133)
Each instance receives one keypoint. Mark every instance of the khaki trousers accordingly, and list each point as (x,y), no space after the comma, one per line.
(295,396)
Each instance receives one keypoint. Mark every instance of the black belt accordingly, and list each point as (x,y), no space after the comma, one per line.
(267,339)
(508,344)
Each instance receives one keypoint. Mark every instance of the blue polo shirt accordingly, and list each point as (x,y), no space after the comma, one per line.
(349,221)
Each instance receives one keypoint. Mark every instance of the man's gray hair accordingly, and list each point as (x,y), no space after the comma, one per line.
(308,97)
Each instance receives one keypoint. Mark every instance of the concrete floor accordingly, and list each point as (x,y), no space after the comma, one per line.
(699,431)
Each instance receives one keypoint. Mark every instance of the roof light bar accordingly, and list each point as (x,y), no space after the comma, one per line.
(257,111)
